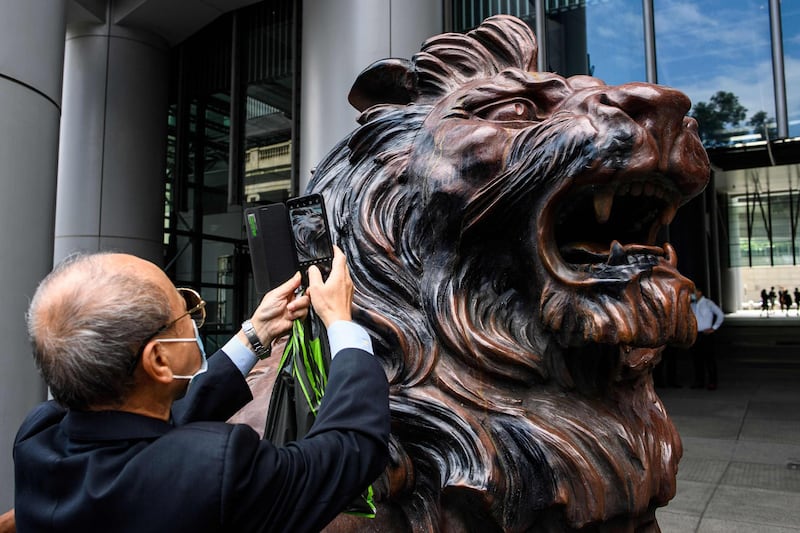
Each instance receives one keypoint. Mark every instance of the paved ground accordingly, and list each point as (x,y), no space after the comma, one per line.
(740,471)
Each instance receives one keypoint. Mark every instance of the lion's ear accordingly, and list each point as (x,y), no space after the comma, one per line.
(388,81)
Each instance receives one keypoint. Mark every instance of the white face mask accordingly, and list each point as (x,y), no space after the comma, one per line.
(203,360)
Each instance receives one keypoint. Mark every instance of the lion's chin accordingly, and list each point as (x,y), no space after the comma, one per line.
(649,310)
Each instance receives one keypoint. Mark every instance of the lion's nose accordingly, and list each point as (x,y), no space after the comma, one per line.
(670,144)
(660,110)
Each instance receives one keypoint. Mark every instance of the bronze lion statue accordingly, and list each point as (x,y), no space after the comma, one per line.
(502,229)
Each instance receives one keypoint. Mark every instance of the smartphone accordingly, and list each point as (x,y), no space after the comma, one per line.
(271,246)
(312,237)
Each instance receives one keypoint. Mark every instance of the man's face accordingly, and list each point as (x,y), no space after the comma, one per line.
(186,355)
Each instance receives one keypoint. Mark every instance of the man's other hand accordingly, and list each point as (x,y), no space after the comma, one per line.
(278,309)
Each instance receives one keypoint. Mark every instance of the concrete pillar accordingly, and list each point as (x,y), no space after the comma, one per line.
(31,60)
(340,39)
(113,139)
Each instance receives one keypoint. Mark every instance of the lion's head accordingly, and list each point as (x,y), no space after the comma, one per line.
(503,227)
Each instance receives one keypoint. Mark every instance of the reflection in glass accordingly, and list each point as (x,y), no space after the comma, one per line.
(232,93)
(268,105)
(763,216)
(268,147)
(182,263)
(213,252)
(468,14)
(580,40)
(170,171)
(219,219)
(790,20)
(718,52)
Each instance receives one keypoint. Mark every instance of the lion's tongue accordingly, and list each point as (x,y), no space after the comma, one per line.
(615,254)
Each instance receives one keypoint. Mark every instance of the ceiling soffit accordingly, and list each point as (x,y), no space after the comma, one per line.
(172,20)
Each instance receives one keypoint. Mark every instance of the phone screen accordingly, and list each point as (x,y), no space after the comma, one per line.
(310,229)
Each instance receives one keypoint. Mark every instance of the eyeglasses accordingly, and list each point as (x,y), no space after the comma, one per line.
(195,308)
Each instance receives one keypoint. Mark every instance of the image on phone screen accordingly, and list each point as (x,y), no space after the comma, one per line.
(310,229)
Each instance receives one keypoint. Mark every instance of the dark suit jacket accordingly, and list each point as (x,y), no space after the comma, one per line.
(117,472)
(214,395)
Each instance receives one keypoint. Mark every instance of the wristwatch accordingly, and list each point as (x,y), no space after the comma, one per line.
(262,352)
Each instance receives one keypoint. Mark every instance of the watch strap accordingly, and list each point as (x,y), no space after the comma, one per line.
(262,352)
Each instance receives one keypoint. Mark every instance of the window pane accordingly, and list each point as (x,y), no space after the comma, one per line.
(219,219)
(191,136)
(468,14)
(268,146)
(718,52)
(205,235)
(763,210)
(581,40)
(182,263)
(790,19)
(214,263)
(219,313)
(268,105)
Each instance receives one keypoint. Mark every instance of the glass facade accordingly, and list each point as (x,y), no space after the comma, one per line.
(579,38)
(718,52)
(469,14)
(581,41)
(790,18)
(763,217)
(230,145)
(234,113)
(762,208)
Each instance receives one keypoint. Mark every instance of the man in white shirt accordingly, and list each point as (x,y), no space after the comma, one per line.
(709,318)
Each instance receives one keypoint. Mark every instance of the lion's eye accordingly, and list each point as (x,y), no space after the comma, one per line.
(516,110)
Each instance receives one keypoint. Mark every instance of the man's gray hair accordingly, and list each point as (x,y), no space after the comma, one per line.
(87,323)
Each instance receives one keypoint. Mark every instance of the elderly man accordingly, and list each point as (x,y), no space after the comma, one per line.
(118,344)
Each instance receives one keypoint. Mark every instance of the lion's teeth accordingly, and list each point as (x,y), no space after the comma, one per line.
(668,214)
(603,201)
(669,251)
(616,254)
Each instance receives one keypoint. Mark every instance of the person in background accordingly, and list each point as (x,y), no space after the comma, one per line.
(764,303)
(704,358)
(786,301)
(117,450)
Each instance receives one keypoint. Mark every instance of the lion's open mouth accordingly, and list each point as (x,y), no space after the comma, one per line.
(610,230)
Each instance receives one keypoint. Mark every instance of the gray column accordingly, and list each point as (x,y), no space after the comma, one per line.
(31,59)
(113,138)
(340,39)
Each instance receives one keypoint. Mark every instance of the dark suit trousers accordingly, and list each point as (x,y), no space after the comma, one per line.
(704,359)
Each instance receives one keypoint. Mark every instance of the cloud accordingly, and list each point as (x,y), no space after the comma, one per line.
(720,24)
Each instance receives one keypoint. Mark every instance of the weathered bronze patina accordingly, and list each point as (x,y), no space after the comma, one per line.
(502,226)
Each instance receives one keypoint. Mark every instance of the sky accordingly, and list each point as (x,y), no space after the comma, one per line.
(702,46)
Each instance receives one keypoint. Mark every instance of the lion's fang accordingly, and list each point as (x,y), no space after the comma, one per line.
(668,214)
(603,201)
(616,254)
